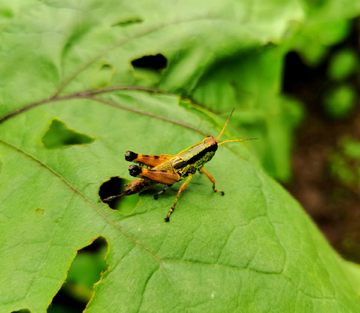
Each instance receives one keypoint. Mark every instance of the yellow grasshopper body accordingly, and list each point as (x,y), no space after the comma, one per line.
(168,169)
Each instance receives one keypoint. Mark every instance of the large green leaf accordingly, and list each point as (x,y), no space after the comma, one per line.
(253,250)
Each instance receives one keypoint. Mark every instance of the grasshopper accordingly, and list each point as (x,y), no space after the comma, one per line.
(169,169)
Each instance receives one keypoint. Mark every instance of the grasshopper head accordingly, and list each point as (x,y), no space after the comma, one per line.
(210,141)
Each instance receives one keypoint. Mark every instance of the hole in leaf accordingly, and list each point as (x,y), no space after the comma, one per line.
(22,311)
(113,187)
(154,62)
(149,67)
(60,135)
(84,272)
(102,77)
(128,22)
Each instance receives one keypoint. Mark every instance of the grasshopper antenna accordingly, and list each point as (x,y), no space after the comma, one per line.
(217,139)
(236,140)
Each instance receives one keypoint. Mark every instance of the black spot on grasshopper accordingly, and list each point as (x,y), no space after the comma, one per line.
(130,156)
(134,170)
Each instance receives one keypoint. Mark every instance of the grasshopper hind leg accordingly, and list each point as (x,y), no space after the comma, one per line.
(156,196)
(144,159)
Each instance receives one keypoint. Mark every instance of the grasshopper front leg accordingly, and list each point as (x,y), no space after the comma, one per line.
(202,170)
(182,188)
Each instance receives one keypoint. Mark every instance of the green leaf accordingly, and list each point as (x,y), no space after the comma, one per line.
(253,250)
(352,272)
(254,236)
